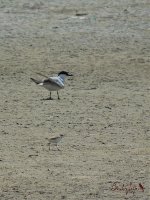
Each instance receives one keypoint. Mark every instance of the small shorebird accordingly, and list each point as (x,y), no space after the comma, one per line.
(54,141)
(53,83)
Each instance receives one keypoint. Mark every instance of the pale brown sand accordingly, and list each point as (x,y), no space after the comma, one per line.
(104,111)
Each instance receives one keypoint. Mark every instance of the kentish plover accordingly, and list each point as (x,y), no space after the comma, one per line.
(54,141)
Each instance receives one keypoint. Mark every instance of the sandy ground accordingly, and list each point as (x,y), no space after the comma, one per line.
(104,111)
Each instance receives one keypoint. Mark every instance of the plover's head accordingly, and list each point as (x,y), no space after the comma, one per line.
(61,135)
(64,73)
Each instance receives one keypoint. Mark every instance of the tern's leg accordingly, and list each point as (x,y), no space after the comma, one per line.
(58,95)
(50,96)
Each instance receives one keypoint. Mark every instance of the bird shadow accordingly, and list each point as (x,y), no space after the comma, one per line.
(47,99)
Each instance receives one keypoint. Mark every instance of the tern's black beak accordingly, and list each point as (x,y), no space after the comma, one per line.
(70,74)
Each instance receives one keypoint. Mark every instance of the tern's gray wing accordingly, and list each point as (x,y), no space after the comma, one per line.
(55,82)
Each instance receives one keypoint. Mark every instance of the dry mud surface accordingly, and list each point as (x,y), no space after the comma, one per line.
(104,111)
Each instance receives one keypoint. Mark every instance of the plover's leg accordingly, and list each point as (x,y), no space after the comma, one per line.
(57,148)
(58,95)
(56,145)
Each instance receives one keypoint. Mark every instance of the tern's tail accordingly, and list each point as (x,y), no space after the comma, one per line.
(36,81)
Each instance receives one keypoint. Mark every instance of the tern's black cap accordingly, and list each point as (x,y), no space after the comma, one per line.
(65,73)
